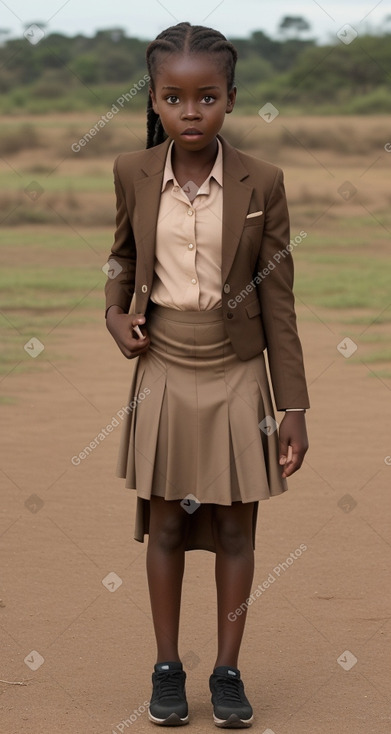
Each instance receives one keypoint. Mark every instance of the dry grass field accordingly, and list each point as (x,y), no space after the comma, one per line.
(76,658)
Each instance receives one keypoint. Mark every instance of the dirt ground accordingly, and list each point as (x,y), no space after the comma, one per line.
(76,628)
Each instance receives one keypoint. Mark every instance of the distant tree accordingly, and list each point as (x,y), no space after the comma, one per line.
(117,34)
(3,33)
(86,68)
(293,25)
(111,34)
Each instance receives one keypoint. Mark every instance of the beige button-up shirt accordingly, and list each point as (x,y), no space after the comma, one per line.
(188,241)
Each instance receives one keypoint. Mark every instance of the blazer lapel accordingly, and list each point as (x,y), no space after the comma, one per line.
(148,188)
(236,197)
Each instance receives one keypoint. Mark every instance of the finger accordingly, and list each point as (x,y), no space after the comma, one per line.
(293,463)
(137,346)
(284,451)
(137,319)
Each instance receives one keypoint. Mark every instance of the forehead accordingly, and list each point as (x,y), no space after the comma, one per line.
(188,70)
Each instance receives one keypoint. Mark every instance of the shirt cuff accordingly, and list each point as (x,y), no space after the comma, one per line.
(301,410)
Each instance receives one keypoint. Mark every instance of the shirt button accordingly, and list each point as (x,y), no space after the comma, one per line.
(227,288)
(190,212)
(194,281)
(230,315)
(190,247)
(144,288)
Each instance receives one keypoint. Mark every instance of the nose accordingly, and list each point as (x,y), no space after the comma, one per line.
(191,112)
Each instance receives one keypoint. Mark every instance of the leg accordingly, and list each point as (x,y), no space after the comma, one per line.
(234,575)
(165,565)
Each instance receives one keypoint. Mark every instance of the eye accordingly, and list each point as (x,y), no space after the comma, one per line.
(171,98)
(209,99)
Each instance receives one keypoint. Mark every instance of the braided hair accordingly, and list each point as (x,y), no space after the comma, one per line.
(188,39)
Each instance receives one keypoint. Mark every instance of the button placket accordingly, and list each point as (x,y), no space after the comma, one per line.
(189,255)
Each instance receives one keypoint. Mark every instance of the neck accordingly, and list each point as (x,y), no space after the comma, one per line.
(197,160)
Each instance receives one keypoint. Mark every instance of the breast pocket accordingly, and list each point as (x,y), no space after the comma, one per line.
(254,220)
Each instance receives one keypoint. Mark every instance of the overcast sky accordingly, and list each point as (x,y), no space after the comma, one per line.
(146,18)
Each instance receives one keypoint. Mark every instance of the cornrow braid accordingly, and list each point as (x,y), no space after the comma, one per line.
(186,38)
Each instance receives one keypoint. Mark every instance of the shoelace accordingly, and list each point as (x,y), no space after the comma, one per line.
(228,688)
(169,683)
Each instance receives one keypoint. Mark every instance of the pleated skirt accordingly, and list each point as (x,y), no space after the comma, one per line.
(199,423)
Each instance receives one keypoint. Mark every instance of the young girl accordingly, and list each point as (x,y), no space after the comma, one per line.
(202,244)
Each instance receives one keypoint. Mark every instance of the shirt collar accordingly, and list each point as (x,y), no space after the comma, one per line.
(216,172)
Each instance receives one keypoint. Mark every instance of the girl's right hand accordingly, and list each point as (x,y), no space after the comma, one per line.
(120,326)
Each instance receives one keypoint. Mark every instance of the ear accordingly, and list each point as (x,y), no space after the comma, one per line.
(153,100)
(231,100)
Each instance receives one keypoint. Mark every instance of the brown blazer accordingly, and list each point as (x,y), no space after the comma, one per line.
(256,269)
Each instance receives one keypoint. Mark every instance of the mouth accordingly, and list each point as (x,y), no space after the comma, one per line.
(192,131)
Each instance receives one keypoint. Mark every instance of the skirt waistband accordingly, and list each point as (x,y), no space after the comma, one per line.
(187,317)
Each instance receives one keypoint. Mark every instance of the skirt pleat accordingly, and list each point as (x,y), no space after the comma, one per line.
(192,426)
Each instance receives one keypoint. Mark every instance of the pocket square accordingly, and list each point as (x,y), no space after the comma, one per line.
(254,214)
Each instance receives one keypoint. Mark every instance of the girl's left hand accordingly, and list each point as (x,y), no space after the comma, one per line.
(293,441)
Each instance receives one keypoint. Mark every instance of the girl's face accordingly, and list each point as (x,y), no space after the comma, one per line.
(191,98)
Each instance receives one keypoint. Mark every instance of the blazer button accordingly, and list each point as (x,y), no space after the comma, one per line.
(144,288)
(230,315)
(227,288)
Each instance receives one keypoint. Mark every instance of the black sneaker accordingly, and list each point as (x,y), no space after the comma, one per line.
(168,705)
(231,709)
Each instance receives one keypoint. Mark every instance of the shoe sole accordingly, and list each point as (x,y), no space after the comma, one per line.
(172,720)
(233,722)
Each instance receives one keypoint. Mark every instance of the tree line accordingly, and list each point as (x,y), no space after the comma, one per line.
(61,72)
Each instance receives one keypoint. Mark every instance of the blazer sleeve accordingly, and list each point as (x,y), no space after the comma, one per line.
(119,287)
(276,297)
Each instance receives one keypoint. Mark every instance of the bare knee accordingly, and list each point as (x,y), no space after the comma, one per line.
(232,538)
(233,528)
(168,528)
